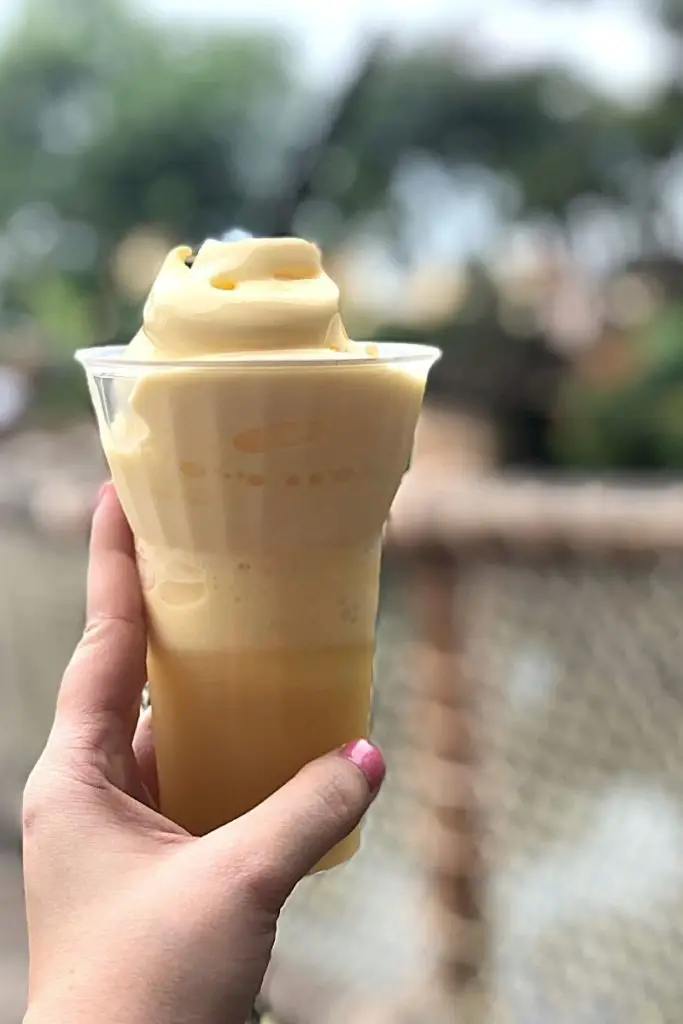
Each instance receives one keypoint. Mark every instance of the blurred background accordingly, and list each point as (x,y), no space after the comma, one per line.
(502,179)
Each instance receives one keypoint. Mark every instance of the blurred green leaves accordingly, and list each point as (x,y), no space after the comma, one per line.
(635,421)
(108,123)
(122,135)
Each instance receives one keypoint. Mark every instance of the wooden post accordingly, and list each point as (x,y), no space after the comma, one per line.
(447,747)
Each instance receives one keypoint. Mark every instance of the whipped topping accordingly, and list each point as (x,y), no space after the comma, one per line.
(256,294)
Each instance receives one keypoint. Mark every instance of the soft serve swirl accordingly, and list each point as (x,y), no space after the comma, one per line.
(256,294)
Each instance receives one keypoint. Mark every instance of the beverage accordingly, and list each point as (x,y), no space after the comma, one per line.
(256,452)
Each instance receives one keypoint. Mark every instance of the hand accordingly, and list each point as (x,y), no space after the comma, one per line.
(131,919)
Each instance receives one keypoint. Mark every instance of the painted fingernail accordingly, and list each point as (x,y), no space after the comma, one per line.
(102,491)
(369,759)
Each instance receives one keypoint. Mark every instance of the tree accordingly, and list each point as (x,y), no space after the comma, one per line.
(122,137)
(109,124)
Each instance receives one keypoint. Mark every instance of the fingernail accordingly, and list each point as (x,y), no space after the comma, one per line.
(102,491)
(369,759)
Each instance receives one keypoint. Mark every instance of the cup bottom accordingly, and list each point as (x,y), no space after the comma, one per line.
(342,853)
(231,727)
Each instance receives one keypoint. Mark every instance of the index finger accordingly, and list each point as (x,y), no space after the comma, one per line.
(100,693)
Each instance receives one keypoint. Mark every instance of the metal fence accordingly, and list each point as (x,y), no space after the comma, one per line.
(545,828)
(41,616)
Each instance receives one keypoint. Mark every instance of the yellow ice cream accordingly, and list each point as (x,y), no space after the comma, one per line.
(255,294)
(256,460)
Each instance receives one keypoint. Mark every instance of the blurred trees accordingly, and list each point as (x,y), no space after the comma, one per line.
(122,136)
(622,407)
(114,129)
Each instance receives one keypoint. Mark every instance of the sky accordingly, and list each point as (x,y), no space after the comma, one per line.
(612,42)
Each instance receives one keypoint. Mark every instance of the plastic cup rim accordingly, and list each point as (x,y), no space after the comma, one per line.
(110,359)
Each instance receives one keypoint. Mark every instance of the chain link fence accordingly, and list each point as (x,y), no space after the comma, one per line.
(41,617)
(361,926)
(580,664)
(577,664)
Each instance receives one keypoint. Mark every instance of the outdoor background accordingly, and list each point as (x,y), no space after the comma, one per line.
(503,179)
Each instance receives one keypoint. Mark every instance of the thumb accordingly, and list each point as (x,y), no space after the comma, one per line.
(285,836)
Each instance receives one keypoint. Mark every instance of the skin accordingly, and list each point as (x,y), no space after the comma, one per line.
(130,918)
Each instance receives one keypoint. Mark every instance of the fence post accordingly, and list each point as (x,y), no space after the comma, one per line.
(448,746)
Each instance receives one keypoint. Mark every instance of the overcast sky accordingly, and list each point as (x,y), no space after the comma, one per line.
(611,41)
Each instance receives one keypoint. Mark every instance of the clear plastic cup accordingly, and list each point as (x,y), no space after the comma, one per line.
(257,489)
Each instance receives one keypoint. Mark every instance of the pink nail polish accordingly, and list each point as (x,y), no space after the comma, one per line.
(102,491)
(369,759)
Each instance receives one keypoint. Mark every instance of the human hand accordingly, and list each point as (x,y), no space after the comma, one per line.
(130,918)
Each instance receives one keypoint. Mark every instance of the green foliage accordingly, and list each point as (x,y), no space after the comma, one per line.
(110,123)
(638,422)
(107,124)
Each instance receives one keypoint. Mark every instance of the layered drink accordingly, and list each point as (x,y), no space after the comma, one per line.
(256,452)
